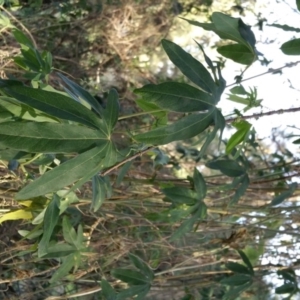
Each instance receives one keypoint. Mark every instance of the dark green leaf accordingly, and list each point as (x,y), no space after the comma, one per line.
(99,192)
(285,27)
(66,173)
(246,261)
(181,195)
(199,184)
(142,266)
(228,167)
(54,104)
(107,291)
(130,276)
(122,172)
(59,250)
(21,38)
(288,274)
(285,195)
(238,268)
(189,66)
(82,94)
(188,224)
(69,232)
(236,280)
(296,141)
(238,53)
(175,96)
(246,33)
(298,4)
(139,290)
(48,137)
(291,47)
(50,220)
(185,128)
(240,190)
(286,288)
(65,268)
(111,112)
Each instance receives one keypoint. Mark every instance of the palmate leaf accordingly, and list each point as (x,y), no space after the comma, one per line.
(67,173)
(174,96)
(189,66)
(54,104)
(39,137)
(185,128)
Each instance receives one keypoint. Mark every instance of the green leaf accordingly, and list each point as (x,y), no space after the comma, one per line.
(246,261)
(185,128)
(247,34)
(48,137)
(59,250)
(236,280)
(81,93)
(238,53)
(69,232)
(298,4)
(175,96)
(288,274)
(285,27)
(139,290)
(240,190)
(239,136)
(285,195)
(142,266)
(25,112)
(238,268)
(122,172)
(99,192)
(66,173)
(130,276)
(286,288)
(188,224)
(65,268)
(21,38)
(107,290)
(111,112)
(180,195)
(199,184)
(50,220)
(228,167)
(291,47)
(189,66)
(54,104)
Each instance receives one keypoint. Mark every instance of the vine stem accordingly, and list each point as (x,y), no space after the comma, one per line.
(269,113)
(270,71)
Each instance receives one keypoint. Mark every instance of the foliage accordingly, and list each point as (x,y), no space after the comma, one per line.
(66,140)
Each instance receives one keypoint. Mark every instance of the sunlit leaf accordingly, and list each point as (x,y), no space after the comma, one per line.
(239,136)
(20,214)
